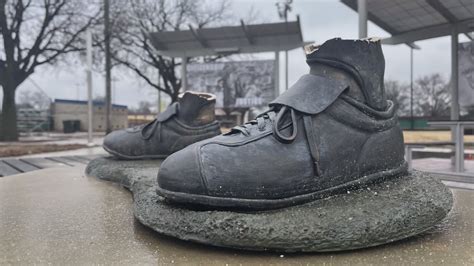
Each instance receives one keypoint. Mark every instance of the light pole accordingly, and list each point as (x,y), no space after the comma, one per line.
(283,9)
(159,92)
(108,104)
(412,124)
(90,141)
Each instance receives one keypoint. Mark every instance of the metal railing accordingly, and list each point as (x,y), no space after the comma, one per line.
(458,142)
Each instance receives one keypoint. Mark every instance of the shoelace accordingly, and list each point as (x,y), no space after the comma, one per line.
(275,117)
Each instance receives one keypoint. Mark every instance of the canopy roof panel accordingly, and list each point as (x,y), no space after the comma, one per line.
(414,20)
(229,39)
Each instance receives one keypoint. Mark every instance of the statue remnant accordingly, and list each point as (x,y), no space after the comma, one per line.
(330,132)
(322,170)
(189,120)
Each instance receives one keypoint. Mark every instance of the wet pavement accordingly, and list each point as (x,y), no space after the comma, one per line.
(60,216)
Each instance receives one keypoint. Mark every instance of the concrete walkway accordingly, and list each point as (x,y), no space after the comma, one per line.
(59,216)
(15,166)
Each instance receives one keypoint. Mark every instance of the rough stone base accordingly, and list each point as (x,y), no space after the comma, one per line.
(379,214)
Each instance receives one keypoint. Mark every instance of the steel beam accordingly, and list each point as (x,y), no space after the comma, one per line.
(157,45)
(197,37)
(441,9)
(247,49)
(246,32)
(351,4)
(429,32)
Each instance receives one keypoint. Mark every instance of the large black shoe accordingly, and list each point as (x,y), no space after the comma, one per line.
(187,121)
(330,132)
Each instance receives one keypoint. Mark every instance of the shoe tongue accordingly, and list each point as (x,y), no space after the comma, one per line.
(363,59)
(196,108)
(170,111)
(311,94)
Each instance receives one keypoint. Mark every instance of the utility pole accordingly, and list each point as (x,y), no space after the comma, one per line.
(108,104)
(90,125)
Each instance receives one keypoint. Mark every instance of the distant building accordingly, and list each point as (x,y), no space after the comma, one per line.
(139,119)
(70,110)
(32,119)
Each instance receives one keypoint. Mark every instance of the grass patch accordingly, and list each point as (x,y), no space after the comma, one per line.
(431,136)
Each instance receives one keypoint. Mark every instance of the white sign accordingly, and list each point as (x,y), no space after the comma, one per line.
(237,84)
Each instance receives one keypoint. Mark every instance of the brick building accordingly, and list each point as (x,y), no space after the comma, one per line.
(65,110)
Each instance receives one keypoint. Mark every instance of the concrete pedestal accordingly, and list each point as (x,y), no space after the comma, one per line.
(382,213)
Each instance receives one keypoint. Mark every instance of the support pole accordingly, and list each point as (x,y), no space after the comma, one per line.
(159,101)
(287,9)
(90,140)
(277,73)
(286,69)
(459,148)
(108,66)
(412,123)
(159,92)
(454,75)
(362,10)
(456,135)
(408,156)
(184,79)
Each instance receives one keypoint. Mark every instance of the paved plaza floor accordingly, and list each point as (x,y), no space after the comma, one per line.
(59,216)
(441,165)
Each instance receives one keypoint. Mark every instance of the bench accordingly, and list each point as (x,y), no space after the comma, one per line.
(409,146)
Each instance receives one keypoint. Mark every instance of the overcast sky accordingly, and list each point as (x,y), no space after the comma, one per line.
(320,20)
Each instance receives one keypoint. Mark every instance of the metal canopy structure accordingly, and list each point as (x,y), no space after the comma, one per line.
(414,20)
(270,37)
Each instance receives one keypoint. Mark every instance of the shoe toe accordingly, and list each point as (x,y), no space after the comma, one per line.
(116,143)
(111,141)
(180,172)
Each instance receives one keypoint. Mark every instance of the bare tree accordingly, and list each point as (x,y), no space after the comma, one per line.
(398,94)
(135,20)
(34,99)
(144,107)
(432,96)
(34,33)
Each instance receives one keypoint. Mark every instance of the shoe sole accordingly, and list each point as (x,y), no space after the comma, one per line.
(265,204)
(128,157)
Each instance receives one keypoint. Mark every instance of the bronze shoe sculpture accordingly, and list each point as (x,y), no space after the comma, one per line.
(330,132)
(187,121)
